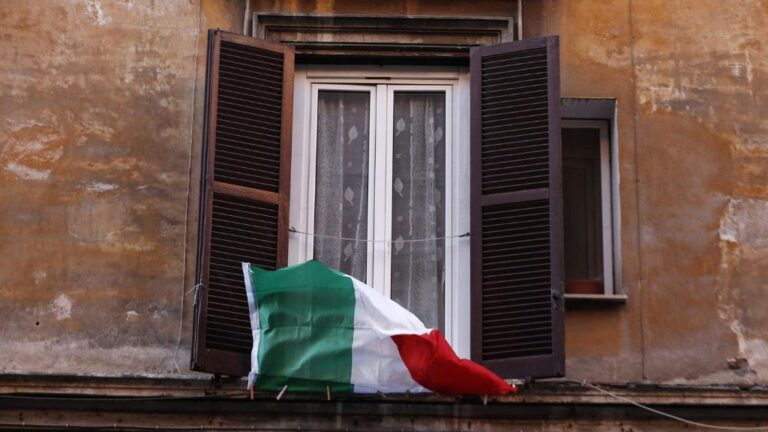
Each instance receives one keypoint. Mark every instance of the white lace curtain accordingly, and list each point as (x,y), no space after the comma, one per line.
(341,183)
(418,212)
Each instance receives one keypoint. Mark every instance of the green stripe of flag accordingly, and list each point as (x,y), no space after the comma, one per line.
(306,320)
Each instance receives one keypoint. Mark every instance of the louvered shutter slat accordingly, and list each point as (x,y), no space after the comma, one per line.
(517,209)
(244,202)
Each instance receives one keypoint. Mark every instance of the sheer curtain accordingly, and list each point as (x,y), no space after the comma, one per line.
(418,212)
(341,183)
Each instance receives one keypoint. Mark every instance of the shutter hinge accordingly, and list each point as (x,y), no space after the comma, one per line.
(557,299)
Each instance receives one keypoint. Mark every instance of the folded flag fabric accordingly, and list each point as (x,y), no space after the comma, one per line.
(316,329)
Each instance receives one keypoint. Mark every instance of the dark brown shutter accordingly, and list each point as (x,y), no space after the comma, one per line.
(244,190)
(517,240)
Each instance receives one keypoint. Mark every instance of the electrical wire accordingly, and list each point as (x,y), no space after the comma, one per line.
(668,415)
(189,188)
(295,231)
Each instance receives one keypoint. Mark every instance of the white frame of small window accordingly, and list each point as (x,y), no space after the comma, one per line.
(608,184)
(383,82)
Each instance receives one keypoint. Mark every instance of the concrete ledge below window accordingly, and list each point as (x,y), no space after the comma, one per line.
(55,402)
(596,298)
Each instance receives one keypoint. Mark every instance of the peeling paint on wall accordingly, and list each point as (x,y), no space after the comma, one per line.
(32,147)
(744,233)
(96,12)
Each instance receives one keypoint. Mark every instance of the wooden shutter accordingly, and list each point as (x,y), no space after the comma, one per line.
(244,190)
(517,239)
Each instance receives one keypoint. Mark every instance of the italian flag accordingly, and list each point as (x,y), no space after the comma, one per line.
(316,329)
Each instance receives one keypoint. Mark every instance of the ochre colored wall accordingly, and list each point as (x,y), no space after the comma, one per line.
(690,78)
(101,108)
(97,106)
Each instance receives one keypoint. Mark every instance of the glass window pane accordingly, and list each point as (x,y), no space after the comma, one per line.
(582,205)
(418,211)
(341,183)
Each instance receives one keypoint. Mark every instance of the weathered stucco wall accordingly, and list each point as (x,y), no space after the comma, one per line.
(99,145)
(96,110)
(704,200)
(689,78)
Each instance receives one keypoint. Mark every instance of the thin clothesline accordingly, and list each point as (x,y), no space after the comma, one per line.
(295,231)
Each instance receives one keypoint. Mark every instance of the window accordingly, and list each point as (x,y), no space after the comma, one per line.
(591,200)
(378,156)
(392,154)
(587,207)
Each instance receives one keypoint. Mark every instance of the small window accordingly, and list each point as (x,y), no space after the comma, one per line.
(587,208)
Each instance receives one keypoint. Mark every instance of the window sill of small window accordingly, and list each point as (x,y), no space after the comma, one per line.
(596,299)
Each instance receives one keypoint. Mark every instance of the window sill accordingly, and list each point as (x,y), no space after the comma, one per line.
(596,298)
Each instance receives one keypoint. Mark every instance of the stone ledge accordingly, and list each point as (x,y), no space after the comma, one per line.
(540,392)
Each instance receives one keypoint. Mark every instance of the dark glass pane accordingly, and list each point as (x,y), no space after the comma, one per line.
(582,205)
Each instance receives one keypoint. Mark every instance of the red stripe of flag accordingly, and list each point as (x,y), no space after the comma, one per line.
(433,364)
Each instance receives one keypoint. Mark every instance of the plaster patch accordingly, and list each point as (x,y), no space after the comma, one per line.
(756,351)
(741,230)
(93,220)
(62,307)
(657,91)
(94,10)
(32,148)
(100,123)
(139,246)
(119,164)
(39,276)
(743,223)
(166,102)
(27,173)
(750,67)
(600,49)
(17,125)
(101,187)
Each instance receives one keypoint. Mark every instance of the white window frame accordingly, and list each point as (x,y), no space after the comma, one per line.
(608,184)
(382,82)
